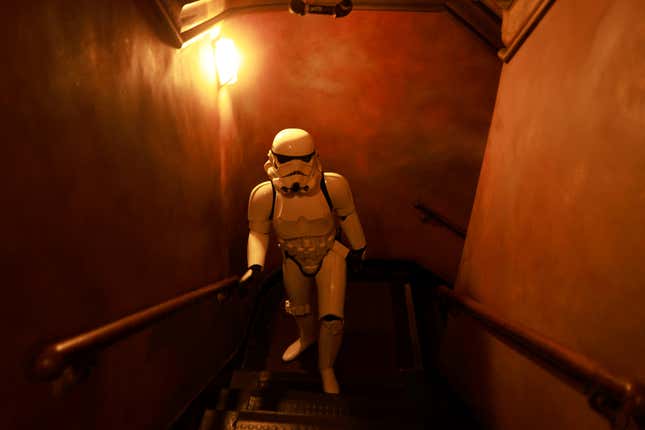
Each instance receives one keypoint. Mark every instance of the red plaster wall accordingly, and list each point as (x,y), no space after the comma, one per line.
(557,238)
(126,176)
(399,103)
(111,201)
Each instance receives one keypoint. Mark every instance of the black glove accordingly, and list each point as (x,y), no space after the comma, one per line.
(298,7)
(343,8)
(249,276)
(355,259)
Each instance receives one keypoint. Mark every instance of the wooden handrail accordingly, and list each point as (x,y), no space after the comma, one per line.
(430,215)
(55,358)
(618,399)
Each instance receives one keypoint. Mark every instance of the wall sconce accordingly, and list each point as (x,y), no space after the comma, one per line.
(227,61)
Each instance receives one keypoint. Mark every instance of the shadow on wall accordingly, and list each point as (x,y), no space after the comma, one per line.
(150,13)
(464,342)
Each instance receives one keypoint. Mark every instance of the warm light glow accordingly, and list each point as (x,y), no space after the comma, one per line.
(213,33)
(207,57)
(227,60)
(207,63)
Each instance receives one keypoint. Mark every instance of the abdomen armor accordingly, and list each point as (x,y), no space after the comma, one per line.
(305,228)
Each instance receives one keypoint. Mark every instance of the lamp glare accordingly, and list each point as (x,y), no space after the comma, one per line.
(227,59)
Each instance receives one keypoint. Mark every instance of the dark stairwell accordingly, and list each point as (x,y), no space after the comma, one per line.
(385,368)
(126,172)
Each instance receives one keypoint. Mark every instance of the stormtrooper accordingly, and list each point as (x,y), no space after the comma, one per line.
(307,209)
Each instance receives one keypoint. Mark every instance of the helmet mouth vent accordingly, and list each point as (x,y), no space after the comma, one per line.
(295,188)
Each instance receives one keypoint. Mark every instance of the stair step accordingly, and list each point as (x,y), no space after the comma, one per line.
(255,420)
(310,403)
(411,382)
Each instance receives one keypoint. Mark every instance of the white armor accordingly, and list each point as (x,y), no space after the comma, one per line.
(305,208)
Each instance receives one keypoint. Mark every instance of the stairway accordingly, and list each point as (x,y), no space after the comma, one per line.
(380,370)
(291,400)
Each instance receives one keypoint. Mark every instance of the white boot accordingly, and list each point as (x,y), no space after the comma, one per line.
(307,331)
(331,336)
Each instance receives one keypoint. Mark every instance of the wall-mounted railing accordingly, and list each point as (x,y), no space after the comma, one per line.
(428,215)
(620,400)
(55,358)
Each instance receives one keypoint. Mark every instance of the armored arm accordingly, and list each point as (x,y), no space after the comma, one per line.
(259,215)
(341,196)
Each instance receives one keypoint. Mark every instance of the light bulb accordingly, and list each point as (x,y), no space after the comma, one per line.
(228,60)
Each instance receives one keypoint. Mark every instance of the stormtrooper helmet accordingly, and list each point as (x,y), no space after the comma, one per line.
(293,165)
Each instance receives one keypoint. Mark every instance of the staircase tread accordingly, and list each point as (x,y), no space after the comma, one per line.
(259,420)
(319,404)
(291,394)
(250,380)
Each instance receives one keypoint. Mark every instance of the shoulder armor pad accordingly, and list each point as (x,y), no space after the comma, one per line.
(261,202)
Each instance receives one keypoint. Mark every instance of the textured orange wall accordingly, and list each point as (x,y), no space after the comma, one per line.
(112,201)
(399,103)
(127,175)
(557,238)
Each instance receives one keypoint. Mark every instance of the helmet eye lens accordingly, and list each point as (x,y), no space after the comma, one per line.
(307,158)
(282,158)
(286,158)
